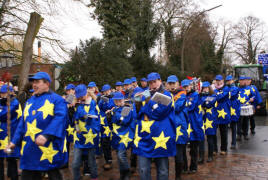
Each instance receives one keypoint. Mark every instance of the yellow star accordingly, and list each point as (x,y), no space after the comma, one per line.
(98,109)
(115,128)
(178,132)
(203,127)
(209,110)
(143,103)
(106,130)
(4,143)
(102,120)
(32,130)
(233,112)
(26,110)
(23,143)
(137,137)
(239,97)
(125,139)
(19,112)
(48,152)
(222,113)
(216,104)
(189,130)
(247,92)
(253,89)
(1,130)
(243,100)
(200,109)
(47,109)
(90,137)
(161,141)
(64,145)
(75,137)
(208,123)
(86,108)
(70,130)
(146,125)
(82,126)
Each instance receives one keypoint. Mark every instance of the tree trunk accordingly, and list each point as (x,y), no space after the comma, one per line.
(27,50)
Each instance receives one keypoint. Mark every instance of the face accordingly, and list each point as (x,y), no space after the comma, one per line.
(187,88)
(107,93)
(229,82)
(155,84)
(119,88)
(219,82)
(134,84)
(242,82)
(127,86)
(143,84)
(3,95)
(119,102)
(40,86)
(248,82)
(172,86)
(205,89)
(92,89)
(70,92)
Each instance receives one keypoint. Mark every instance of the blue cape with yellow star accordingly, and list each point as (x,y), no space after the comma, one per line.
(223,105)
(210,114)
(245,94)
(234,103)
(257,99)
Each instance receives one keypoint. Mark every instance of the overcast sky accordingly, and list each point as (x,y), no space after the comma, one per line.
(79,26)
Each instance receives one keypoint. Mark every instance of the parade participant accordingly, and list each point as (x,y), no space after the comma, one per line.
(119,87)
(106,104)
(144,85)
(246,97)
(256,103)
(234,108)
(155,133)
(86,131)
(123,119)
(134,82)
(128,88)
(223,110)
(15,117)
(42,132)
(181,116)
(195,122)
(93,91)
(210,116)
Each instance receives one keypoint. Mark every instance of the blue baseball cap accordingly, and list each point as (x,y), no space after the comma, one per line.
(136,90)
(219,77)
(134,79)
(119,83)
(105,87)
(144,79)
(228,78)
(153,76)
(118,96)
(172,78)
(205,84)
(91,84)
(127,81)
(5,87)
(242,78)
(40,75)
(248,78)
(80,90)
(185,82)
(70,86)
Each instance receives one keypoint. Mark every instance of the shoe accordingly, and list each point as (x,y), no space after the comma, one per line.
(184,171)
(86,174)
(246,138)
(193,171)
(107,166)
(232,147)
(215,153)
(239,138)
(125,175)
(222,153)
(201,158)
(253,132)
(210,158)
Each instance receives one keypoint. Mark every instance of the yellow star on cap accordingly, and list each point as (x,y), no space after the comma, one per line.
(189,130)
(32,130)
(90,137)
(208,124)
(82,126)
(209,110)
(75,137)
(26,110)
(161,141)
(47,109)
(106,130)
(222,113)
(48,153)
(64,145)
(23,143)
(125,139)
(19,112)
(233,112)
(137,138)
(146,125)
(102,120)
(4,143)
(86,108)
(200,109)
(247,92)
(70,130)
(115,128)
(178,132)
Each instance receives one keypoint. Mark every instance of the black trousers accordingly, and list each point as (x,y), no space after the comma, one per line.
(193,154)
(210,139)
(224,136)
(252,123)
(106,148)
(133,160)
(12,168)
(37,175)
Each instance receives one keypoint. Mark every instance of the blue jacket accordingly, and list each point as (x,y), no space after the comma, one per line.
(123,128)
(155,132)
(181,117)
(44,114)
(210,114)
(245,94)
(16,116)
(195,127)
(223,105)
(234,103)
(87,134)
(257,99)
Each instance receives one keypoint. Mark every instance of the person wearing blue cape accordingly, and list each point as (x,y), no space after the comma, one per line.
(41,132)
(128,88)
(15,117)
(144,84)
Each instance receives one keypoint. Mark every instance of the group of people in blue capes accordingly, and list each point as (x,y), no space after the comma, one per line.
(154,121)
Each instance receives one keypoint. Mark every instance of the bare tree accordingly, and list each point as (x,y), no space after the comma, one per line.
(249,33)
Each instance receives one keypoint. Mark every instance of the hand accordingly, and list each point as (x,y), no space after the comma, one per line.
(9,146)
(40,140)
(251,100)
(258,107)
